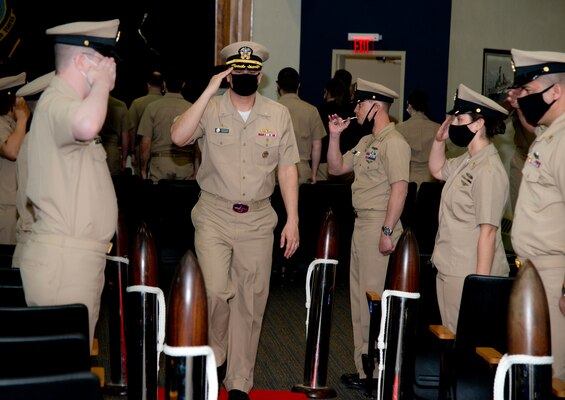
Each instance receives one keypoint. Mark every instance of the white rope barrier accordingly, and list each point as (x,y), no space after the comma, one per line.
(381,344)
(161,313)
(504,365)
(308,288)
(194,351)
(123,260)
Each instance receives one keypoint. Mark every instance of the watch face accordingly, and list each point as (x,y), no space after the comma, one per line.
(387,231)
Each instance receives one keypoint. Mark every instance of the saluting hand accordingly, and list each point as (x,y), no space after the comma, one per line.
(216,81)
(443,131)
(103,72)
(21,110)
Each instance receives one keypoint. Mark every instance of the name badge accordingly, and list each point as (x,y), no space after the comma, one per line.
(222,130)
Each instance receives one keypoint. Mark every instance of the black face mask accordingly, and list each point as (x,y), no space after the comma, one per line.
(534,107)
(367,125)
(244,84)
(461,135)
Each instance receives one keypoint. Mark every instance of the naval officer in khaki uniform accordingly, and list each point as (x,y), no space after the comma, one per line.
(160,158)
(381,162)
(69,183)
(473,199)
(538,230)
(26,217)
(420,132)
(14,115)
(307,124)
(244,137)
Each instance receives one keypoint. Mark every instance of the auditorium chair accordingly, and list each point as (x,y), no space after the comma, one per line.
(71,386)
(29,356)
(44,320)
(481,323)
(6,253)
(11,288)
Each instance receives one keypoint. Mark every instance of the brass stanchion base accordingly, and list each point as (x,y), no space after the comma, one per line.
(324,392)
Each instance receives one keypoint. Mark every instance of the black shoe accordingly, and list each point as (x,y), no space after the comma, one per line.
(353,381)
(235,394)
(221,372)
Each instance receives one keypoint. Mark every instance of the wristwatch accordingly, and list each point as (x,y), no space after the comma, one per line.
(387,230)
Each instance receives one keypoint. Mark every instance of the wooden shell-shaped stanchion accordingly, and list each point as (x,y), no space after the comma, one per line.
(142,326)
(403,281)
(187,326)
(320,313)
(116,284)
(529,334)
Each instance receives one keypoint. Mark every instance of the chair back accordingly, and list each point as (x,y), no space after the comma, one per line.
(44,320)
(78,385)
(425,216)
(6,253)
(482,323)
(28,356)
(483,313)
(11,288)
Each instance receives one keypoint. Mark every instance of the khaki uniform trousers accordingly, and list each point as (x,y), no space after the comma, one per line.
(235,254)
(304,172)
(181,168)
(552,273)
(367,272)
(60,270)
(8,219)
(21,240)
(449,290)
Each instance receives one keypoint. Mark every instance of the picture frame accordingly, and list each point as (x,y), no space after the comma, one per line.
(498,74)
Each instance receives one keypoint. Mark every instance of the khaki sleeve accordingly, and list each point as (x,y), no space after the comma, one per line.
(397,160)
(490,194)
(318,130)
(145,127)
(288,150)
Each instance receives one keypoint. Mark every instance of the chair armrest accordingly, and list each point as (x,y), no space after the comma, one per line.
(558,388)
(490,355)
(373,297)
(442,332)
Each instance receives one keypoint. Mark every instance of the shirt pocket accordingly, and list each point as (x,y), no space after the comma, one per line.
(266,151)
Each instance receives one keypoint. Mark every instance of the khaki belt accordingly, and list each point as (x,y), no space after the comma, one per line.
(171,155)
(67,241)
(235,205)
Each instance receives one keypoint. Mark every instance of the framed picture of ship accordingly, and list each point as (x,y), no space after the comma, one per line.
(497,74)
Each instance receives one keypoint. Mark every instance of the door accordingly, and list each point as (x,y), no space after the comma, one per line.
(384,67)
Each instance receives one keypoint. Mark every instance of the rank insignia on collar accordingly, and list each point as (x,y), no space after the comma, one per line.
(466,179)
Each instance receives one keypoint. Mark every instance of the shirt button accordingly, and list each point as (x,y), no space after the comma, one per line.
(243,194)
(243,178)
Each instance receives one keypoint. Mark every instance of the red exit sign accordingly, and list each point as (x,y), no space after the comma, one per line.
(363,45)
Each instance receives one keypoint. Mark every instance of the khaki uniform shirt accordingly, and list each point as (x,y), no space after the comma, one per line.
(538,228)
(475,192)
(138,106)
(420,133)
(378,161)
(24,206)
(239,158)
(306,122)
(157,120)
(69,183)
(116,124)
(7,187)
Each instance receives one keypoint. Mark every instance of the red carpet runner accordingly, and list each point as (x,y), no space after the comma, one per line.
(256,395)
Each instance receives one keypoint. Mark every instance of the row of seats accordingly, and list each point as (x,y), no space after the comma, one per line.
(44,351)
